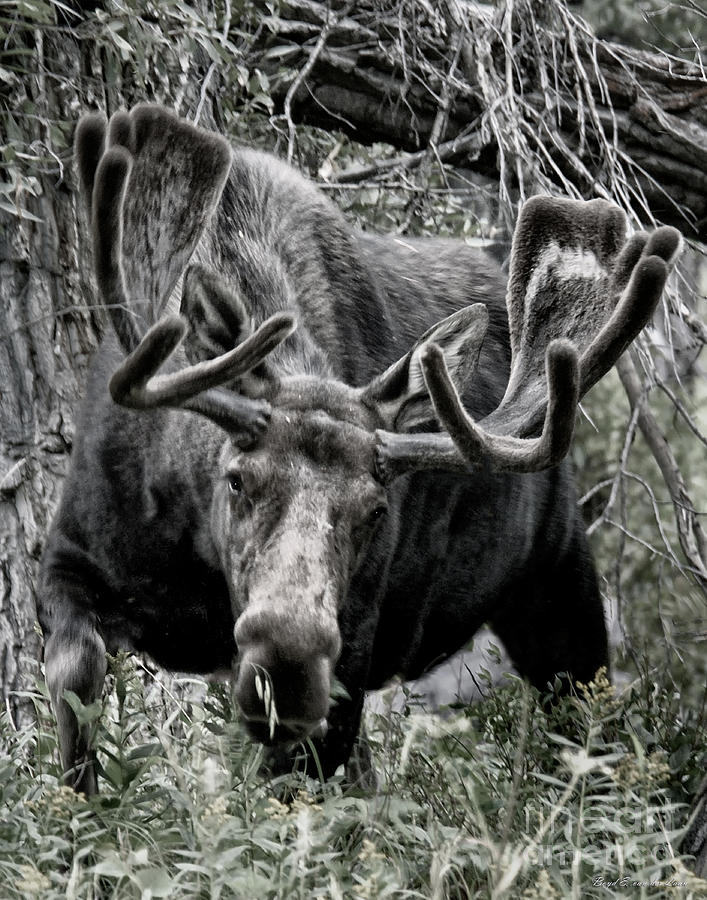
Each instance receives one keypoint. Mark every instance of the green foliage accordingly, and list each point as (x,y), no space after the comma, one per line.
(56,63)
(505,799)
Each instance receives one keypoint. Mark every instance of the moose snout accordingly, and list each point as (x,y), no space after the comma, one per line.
(284,678)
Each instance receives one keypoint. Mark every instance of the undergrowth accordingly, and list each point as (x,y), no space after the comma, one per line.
(512,797)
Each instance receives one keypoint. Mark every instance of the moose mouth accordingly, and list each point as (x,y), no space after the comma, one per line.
(282,700)
(283,733)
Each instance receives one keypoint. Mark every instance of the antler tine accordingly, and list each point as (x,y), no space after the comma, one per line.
(631,314)
(642,276)
(135,385)
(128,384)
(89,142)
(449,407)
(110,181)
(508,452)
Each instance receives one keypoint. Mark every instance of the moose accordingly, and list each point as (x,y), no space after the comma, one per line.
(373,466)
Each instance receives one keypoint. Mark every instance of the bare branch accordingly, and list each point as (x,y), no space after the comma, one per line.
(331,21)
(690,533)
(626,124)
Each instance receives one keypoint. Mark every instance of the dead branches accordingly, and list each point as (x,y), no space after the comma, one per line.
(551,107)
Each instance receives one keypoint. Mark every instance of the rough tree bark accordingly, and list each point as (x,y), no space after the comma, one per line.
(49,320)
(47,332)
(59,61)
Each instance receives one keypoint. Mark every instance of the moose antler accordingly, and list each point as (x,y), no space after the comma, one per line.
(175,177)
(578,294)
(164,177)
(135,384)
(509,452)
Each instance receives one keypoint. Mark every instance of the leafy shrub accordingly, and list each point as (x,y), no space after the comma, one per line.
(508,798)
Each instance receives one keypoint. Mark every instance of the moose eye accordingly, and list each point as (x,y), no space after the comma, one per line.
(377,513)
(235,483)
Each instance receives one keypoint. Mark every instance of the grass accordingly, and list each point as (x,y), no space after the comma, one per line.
(503,799)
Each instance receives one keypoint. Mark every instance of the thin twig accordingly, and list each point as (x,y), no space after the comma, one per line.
(203,92)
(331,21)
(690,534)
(689,421)
(616,483)
(409,161)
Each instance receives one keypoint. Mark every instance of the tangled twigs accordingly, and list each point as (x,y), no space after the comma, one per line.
(610,121)
(331,20)
(690,533)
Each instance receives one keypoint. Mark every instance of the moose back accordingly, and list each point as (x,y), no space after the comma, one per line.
(281,499)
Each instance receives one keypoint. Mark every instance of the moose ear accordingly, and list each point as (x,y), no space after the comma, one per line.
(400,394)
(217,318)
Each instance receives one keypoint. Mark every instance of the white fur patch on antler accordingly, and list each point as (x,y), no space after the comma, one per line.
(564,264)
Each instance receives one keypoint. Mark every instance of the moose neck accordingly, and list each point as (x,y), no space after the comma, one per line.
(276,240)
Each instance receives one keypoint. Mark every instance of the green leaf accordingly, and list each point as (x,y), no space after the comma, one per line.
(140,857)
(112,866)
(147,750)
(156,881)
(214,728)
(125,48)
(337,691)
(19,212)
(150,796)
(112,771)
(40,13)
(7,76)
(281,52)
(85,713)
(560,739)
(679,758)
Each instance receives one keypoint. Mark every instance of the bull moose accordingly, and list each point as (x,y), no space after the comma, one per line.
(313,520)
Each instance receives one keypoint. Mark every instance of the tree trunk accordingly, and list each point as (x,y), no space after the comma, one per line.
(47,332)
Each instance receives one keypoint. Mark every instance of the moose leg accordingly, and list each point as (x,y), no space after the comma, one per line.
(75,660)
(559,627)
